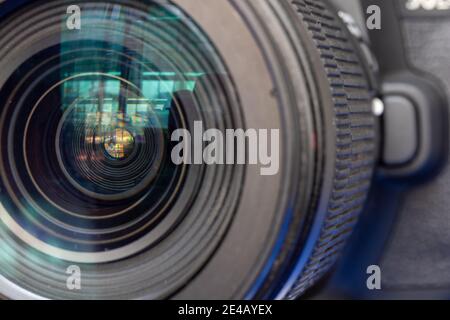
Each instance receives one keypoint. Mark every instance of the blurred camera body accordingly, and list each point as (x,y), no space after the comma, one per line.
(358,90)
(403,229)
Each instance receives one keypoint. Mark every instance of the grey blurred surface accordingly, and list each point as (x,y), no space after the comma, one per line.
(418,253)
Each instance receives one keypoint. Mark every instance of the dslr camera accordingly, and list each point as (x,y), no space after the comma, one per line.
(226,149)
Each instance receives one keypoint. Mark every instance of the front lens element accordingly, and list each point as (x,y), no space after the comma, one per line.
(86,122)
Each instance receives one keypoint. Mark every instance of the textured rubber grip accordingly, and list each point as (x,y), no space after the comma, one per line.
(355,136)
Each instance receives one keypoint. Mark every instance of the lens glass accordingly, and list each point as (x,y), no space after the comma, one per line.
(87,116)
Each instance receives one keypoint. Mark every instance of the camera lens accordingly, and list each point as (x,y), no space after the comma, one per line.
(88,112)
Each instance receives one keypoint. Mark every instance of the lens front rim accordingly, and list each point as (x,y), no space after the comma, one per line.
(213,227)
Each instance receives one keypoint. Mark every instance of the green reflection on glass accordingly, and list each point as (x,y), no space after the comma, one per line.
(144,64)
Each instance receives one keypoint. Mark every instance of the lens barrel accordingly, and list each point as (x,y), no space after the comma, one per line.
(87,120)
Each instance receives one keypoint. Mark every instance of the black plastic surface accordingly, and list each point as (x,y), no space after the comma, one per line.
(400,131)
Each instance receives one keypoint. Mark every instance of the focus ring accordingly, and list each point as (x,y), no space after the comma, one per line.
(355,136)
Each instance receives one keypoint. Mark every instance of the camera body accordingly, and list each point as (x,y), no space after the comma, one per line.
(358,89)
(403,230)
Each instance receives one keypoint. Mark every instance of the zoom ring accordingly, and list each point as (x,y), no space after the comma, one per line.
(355,137)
